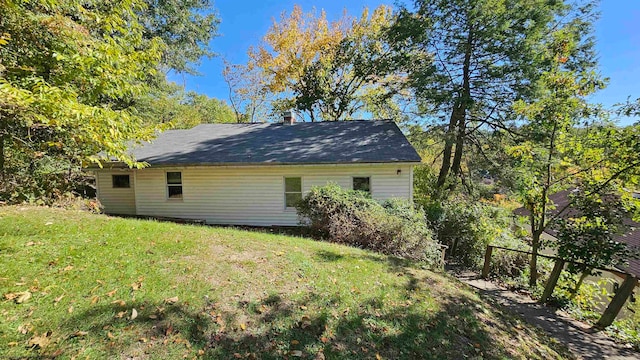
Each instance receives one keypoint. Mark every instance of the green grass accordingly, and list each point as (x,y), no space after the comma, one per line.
(240,294)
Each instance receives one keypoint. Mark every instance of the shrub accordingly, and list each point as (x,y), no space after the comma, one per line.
(349,217)
(467,228)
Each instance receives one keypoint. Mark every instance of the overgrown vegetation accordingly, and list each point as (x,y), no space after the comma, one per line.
(395,227)
(173,291)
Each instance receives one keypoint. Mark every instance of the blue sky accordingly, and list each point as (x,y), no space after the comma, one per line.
(244,22)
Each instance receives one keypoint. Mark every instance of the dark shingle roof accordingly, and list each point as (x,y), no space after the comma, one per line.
(630,236)
(363,141)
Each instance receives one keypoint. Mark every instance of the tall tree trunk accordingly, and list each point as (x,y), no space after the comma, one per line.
(457,123)
(448,147)
(2,177)
(533,264)
(580,281)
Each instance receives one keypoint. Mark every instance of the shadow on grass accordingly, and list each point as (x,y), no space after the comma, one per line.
(278,326)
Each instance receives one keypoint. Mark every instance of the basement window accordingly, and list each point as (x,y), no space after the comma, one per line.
(174,185)
(362,184)
(292,191)
(120,181)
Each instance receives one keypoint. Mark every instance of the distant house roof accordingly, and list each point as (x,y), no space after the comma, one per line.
(631,236)
(362,141)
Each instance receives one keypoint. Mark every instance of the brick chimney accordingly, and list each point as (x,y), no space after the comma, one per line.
(289,118)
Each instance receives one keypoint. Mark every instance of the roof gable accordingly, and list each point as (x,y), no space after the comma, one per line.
(363,141)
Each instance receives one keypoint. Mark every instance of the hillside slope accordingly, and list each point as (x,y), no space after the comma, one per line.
(80,285)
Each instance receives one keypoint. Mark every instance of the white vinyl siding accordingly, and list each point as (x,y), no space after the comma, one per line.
(116,200)
(254,195)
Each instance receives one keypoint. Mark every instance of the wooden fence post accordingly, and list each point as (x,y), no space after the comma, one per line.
(487,262)
(553,280)
(617,302)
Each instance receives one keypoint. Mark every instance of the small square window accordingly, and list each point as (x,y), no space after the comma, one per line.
(174,185)
(292,191)
(121,181)
(362,184)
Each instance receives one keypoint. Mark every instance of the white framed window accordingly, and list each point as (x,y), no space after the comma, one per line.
(292,191)
(174,185)
(120,181)
(362,183)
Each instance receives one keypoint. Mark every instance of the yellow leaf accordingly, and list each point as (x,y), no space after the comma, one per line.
(110,335)
(22,297)
(171,300)
(95,299)
(57,300)
(112,292)
(243,326)
(39,341)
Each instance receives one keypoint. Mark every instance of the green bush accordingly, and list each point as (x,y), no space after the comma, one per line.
(468,227)
(395,227)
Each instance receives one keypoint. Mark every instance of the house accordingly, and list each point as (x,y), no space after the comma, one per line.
(252,174)
(630,236)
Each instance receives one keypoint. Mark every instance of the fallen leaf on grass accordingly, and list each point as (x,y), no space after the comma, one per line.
(112,292)
(153,317)
(305,322)
(25,328)
(243,326)
(110,335)
(121,314)
(295,342)
(57,300)
(13,343)
(79,334)
(134,314)
(48,223)
(10,296)
(56,353)
(40,341)
(136,285)
(171,300)
(95,299)
(296,353)
(70,309)
(68,268)
(119,302)
(22,297)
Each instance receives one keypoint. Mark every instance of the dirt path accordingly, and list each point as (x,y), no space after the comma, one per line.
(579,337)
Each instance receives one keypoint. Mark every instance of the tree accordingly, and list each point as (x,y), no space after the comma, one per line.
(485,57)
(173,106)
(65,70)
(328,70)
(587,236)
(555,154)
(247,96)
(185,26)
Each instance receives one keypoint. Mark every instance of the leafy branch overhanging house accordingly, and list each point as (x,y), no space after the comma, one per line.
(252,174)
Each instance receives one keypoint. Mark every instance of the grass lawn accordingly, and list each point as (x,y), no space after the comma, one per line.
(78,285)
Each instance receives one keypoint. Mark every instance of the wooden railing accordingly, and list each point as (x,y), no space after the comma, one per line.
(614,307)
